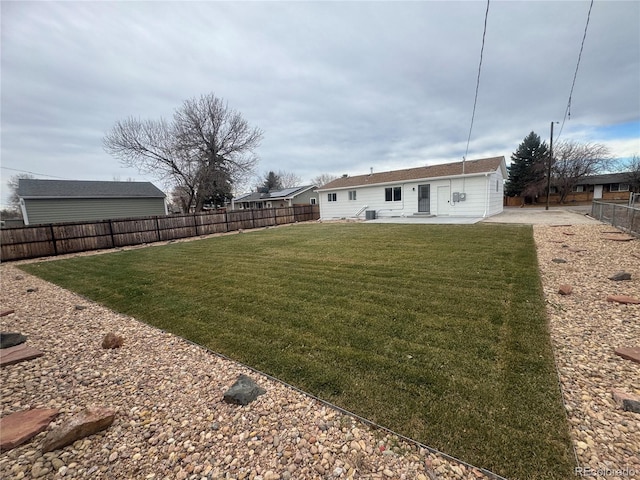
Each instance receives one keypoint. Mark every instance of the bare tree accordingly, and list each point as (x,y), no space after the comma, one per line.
(180,199)
(323,179)
(13,183)
(631,169)
(204,150)
(289,179)
(574,161)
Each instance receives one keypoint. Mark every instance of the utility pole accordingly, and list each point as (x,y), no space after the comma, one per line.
(549,167)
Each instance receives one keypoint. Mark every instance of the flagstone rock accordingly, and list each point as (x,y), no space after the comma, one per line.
(629,353)
(627,401)
(626,299)
(619,238)
(244,391)
(11,339)
(565,289)
(19,427)
(89,421)
(620,276)
(558,260)
(17,354)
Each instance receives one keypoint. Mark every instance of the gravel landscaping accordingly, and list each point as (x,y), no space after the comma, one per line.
(172,422)
(585,330)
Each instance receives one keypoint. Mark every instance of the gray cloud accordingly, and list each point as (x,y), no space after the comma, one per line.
(337,87)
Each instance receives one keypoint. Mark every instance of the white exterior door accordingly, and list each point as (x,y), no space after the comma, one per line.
(444,199)
(597,192)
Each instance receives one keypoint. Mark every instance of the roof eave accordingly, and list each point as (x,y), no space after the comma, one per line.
(66,197)
(411,180)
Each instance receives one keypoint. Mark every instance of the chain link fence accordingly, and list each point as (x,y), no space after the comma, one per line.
(626,218)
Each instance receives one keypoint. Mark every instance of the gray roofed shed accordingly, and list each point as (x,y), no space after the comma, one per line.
(55,201)
(35,188)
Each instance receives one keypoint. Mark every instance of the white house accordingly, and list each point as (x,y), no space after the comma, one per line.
(473,188)
(287,197)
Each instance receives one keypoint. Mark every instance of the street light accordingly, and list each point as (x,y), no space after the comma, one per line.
(549,166)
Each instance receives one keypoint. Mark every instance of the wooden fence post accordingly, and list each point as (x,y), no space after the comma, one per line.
(53,240)
(113,242)
(195,224)
(158,228)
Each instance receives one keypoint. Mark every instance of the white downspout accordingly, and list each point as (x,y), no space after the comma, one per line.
(23,208)
(486,203)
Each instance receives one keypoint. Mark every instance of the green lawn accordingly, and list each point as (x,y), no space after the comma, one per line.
(437,332)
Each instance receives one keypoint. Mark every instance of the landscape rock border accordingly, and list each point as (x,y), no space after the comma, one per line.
(585,330)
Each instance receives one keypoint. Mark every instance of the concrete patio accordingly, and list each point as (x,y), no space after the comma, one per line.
(574,215)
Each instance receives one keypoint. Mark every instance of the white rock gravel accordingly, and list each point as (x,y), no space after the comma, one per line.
(172,423)
(585,330)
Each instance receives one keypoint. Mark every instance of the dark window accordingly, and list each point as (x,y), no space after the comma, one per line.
(332,197)
(393,194)
(619,187)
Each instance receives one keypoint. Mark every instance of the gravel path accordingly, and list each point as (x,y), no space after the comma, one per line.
(585,330)
(172,423)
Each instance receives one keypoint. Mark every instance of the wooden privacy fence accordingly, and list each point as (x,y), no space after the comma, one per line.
(60,238)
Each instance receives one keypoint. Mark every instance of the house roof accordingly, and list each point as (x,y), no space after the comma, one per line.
(471,167)
(622,177)
(273,195)
(36,188)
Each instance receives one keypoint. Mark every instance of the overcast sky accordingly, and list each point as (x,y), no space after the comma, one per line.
(337,87)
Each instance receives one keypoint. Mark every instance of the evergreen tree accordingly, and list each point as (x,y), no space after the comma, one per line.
(272,182)
(527,173)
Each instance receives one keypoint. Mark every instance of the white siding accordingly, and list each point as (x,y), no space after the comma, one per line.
(496,193)
(481,198)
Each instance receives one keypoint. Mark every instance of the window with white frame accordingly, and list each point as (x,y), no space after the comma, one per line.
(619,187)
(393,194)
(578,188)
(332,197)
(352,194)
(312,200)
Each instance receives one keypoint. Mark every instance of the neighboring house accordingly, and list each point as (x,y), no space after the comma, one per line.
(608,187)
(287,197)
(53,201)
(473,188)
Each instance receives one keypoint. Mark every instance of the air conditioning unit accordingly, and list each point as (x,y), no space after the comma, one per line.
(370,214)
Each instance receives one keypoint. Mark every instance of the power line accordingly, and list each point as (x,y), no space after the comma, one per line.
(475,101)
(567,112)
(33,173)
